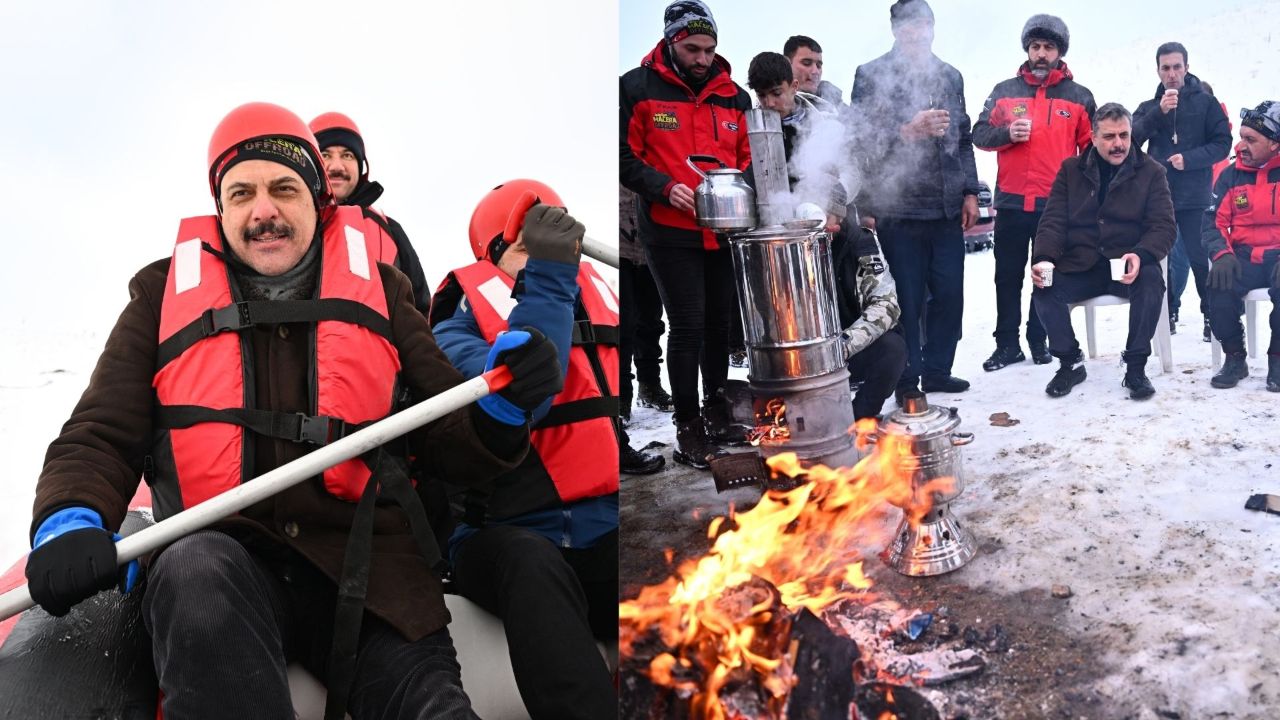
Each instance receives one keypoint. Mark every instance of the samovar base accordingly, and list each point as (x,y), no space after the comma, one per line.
(937,545)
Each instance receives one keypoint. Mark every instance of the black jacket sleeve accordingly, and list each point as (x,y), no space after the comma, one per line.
(1217,138)
(635,175)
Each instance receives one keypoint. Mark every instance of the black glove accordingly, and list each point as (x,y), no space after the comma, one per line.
(1224,273)
(550,233)
(72,567)
(535,371)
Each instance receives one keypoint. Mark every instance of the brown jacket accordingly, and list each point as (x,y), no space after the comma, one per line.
(1137,216)
(97,460)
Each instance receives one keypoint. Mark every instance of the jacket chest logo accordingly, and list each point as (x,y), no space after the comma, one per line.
(730,126)
(1241,201)
(1019,110)
(1064,113)
(663,120)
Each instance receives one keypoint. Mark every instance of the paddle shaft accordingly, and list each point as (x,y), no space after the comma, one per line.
(597,250)
(286,476)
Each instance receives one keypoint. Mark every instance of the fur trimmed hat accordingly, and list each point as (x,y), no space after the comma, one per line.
(1046,27)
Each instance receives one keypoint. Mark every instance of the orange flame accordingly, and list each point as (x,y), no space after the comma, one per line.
(771,425)
(806,542)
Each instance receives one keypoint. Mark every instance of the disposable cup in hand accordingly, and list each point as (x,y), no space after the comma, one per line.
(1117,268)
(1046,272)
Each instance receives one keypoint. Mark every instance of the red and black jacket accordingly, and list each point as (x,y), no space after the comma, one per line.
(204,380)
(581,423)
(1244,216)
(664,121)
(1060,110)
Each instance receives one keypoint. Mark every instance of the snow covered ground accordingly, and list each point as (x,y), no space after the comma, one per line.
(1137,506)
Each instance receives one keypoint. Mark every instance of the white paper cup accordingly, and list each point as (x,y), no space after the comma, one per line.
(1117,268)
(1046,272)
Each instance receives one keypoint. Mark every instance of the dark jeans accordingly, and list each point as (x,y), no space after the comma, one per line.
(1015,230)
(1145,296)
(554,603)
(223,623)
(878,368)
(640,328)
(1226,306)
(1188,254)
(926,258)
(697,292)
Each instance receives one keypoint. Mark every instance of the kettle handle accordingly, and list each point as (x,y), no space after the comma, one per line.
(705,159)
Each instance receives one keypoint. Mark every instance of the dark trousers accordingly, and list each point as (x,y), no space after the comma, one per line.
(878,368)
(554,603)
(1015,231)
(1226,306)
(1145,296)
(697,292)
(223,623)
(926,258)
(1188,254)
(640,327)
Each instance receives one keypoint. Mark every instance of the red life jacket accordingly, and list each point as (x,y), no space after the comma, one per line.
(204,372)
(577,428)
(381,243)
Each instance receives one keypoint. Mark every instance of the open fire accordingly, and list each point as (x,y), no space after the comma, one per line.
(731,616)
(771,425)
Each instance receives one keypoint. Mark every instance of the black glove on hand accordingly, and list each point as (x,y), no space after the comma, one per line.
(535,371)
(550,233)
(1224,273)
(71,567)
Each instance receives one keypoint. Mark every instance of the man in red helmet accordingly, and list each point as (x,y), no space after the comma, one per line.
(347,168)
(272,331)
(539,546)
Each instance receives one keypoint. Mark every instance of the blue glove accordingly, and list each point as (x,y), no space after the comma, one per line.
(74,557)
(535,371)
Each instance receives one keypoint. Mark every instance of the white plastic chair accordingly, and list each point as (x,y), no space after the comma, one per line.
(1251,300)
(1163,345)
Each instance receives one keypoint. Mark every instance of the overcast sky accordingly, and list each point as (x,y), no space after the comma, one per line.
(1111,50)
(108,109)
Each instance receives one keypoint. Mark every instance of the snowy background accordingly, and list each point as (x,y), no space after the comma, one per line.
(1137,506)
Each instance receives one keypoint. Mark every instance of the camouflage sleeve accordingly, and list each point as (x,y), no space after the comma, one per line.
(877,295)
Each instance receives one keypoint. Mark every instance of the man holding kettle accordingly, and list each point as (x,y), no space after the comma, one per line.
(682,85)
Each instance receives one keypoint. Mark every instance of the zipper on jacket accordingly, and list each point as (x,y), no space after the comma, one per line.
(715,124)
(1050,122)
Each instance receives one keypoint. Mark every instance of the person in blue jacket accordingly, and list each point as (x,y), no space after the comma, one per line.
(538,546)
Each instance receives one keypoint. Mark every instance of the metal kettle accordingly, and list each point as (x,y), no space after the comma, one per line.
(723,201)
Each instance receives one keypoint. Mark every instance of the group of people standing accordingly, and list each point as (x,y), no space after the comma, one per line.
(1073,194)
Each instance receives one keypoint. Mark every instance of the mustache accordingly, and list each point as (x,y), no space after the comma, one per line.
(273,227)
(339,175)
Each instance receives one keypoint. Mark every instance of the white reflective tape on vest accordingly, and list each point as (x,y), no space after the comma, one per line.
(498,295)
(606,294)
(186,265)
(357,253)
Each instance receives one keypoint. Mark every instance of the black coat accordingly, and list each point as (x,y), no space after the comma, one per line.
(1204,138)
(914,179)
(1136,216)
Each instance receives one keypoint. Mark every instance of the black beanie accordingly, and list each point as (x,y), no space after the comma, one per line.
(347,139)
(687,17)
(286,151)
(908,10)
(1046,27)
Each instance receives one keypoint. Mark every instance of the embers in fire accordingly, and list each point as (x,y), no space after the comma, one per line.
(771,424)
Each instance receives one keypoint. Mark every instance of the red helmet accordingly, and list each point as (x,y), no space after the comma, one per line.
(334,128)
(264,120)
(501,212)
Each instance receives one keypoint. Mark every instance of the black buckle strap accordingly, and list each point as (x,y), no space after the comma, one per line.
(317,430)
(232,317)
(584,333)
(579,410)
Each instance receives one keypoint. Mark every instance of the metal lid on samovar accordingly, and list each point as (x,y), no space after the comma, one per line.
(919,419)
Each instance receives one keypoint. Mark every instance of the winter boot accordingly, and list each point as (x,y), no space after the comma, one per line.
(719,421)
(1070,373)
(1234,369)
(738,358)
(1003,356)
(693,448)
(1040,352)
(1273,372)
(637,462)
(1173,323)
(945,383)
(1208,333)
(1135,378)
(652,395)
